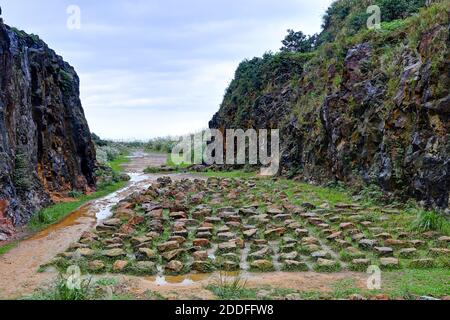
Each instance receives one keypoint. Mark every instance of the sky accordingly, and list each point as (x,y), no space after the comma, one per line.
(153,68)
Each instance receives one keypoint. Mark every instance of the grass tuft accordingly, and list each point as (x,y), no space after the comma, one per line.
(430,221)
(60,291)
(7,247)
(230,288)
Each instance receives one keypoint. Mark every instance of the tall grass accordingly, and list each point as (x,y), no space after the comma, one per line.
(430,221)
(7,247)
(60,291)
(228,287)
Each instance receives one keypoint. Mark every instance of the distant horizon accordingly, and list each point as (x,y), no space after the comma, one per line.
(153,69)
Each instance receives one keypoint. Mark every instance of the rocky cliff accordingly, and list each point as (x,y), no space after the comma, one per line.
(45,142)
(369,107)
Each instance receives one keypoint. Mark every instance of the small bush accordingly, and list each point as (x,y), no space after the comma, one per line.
(399,9)
(372,195)
(21,175)
(164,145)
(75,194)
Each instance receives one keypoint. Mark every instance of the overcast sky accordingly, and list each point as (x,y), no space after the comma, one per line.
(153,68)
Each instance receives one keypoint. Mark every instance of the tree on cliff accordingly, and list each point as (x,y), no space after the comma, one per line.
(298,42)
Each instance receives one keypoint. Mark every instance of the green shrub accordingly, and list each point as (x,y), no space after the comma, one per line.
(398,9)
(98,141)
(21,175)
(75,194)
(430,221)
(338,11)
(357,22)
(393,25)
(164,145)
(298,42)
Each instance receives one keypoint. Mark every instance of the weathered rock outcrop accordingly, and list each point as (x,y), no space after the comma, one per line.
(376,111)
(45,142)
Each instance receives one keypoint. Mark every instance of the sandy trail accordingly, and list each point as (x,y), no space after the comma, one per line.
(18,268)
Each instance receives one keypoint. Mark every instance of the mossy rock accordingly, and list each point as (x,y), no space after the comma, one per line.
(359,265)
(262,266)
(347,256)
(295,266)
(422,264)
(324,265)
(203,266)
(142,268)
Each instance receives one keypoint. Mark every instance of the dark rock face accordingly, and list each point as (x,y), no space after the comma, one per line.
(45,142)
(374,113)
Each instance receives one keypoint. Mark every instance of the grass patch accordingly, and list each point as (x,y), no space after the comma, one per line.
(231,288)
(151,170)
(172,164)
(8,247)
(344,288)
(431,221)
(230,174)
(415,282)
(61,292)
(336,267)
(303,192)
(407,284)
(57,212)
(107,282)
(116,164)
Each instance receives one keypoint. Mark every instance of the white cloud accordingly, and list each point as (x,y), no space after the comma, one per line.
(160,67)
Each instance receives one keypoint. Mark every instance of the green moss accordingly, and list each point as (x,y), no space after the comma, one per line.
(417,282)
(66,80)
(22,176)
(230,174)
(331,268)
(394,25)
(116,164)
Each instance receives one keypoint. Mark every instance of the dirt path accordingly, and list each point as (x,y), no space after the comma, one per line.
(18,268)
